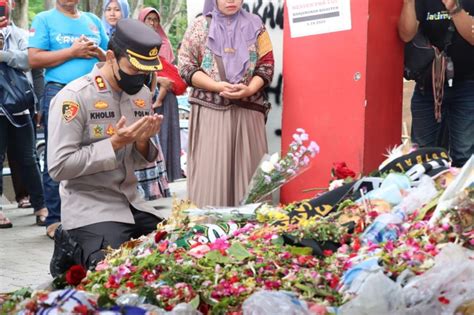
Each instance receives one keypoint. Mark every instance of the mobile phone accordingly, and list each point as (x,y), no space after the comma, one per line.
(3,9)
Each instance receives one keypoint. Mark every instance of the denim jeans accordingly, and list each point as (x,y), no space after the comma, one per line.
(51,188)
(457,114)
(21,141)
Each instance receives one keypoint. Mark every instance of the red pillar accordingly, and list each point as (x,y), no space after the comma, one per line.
(345,89)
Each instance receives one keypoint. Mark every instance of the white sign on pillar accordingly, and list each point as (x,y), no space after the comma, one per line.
(312,17)
(271,12)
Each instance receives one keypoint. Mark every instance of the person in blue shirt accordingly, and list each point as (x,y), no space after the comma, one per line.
(67,43)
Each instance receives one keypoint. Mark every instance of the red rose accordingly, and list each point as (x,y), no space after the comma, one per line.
(159,236)
(334,282)
(327,252)
(75,274)
(341,171)
(356,245)
(81,309)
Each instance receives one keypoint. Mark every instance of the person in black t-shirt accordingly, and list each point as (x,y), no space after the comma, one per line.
(434,18)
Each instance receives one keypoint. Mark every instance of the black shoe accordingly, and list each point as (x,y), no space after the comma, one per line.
(67,252)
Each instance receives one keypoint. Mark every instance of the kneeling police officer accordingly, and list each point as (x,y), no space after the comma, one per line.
(100,127)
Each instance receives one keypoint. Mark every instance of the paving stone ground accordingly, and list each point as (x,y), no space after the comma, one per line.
(25,250)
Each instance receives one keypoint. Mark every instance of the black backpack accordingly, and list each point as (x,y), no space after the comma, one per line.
(419,56)
(16,93)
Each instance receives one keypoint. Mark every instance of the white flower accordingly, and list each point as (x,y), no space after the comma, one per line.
(267,167)
(304,136)
(297,139)
(314,148)
(274,158)
(300,130)
(336,184)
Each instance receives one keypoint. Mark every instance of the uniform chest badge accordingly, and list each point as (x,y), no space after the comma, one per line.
(70,110)
(139,102)
(101,105)
(98,131)
(110,130)
(99,81)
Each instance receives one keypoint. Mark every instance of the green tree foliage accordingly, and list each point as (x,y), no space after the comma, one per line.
(173,13)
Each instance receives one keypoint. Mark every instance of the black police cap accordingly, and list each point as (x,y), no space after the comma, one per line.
(140,43)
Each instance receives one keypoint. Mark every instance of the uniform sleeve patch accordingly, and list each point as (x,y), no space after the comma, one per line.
(70,110)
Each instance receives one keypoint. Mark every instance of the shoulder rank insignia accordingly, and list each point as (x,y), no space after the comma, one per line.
(100,83)
(139,102)
(101,105)
(70,110)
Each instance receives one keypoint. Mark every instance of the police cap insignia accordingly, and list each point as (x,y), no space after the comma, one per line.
(70,110)
(154,52)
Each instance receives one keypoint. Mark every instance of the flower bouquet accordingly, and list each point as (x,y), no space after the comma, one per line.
(273,171)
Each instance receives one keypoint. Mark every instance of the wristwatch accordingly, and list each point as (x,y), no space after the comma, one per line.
(455,10)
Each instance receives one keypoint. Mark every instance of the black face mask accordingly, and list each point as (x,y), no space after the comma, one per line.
(130,84)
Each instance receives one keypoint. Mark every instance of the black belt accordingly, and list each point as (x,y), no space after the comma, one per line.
(56,84)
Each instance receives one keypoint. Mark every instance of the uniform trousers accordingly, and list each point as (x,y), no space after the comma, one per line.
(94,238)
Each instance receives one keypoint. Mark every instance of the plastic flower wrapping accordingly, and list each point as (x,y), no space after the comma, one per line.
(373,253)
(275,171)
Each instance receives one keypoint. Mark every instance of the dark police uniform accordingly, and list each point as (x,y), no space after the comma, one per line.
(100,203)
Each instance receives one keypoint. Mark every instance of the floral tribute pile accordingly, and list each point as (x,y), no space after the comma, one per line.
(329,264)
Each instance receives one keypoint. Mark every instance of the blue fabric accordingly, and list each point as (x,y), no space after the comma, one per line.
(457,113)
(124,7)
(51,188)
(51,30)
(390,189)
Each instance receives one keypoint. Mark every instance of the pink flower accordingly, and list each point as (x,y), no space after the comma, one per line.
(429,247)
(445,226)
(318,309)
(221,244)
(285,255)
(313,148)
(305,161)
(199,251)
(389,246)
(297,139)
(103,265)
